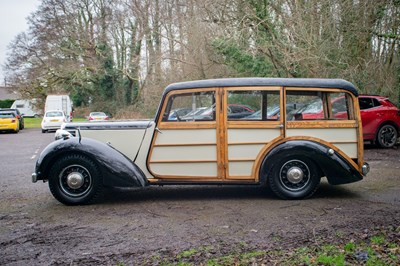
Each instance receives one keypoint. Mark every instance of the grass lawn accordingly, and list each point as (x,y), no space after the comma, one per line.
(33,122)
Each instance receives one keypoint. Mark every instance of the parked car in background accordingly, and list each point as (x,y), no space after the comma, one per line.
(97,116)
(380,117)
(380,120)
(52,120)
(8,121)
(178,113)
(18,115)
(61,103)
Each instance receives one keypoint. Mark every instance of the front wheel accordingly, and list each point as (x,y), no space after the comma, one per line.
(387,136)
(75,179)
(294,178)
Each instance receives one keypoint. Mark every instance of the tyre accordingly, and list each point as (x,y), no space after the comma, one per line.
(294,178)
(387,136)
(44,131)
(75,179)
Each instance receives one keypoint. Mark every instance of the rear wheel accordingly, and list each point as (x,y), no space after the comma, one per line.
(75,179)
(44,131)
(294,178)
(387,136)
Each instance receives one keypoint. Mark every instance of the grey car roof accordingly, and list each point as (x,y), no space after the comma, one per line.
(248,82)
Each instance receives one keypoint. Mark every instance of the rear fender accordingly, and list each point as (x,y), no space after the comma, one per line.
(117,169)
(331,163)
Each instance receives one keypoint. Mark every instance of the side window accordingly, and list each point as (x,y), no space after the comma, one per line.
(376,102)
(253,105)
(198,106)
(317,105)
(365,103)
(304,105)
(340,106)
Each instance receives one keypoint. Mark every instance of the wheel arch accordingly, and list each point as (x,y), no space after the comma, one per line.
(116,169)
(329,161)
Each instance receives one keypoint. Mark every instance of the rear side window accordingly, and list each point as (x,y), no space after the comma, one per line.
(317,105)
(197,106)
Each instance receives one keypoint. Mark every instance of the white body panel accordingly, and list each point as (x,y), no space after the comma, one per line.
(126,141)
(244,145)
(343,138)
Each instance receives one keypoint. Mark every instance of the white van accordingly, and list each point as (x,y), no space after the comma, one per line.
(26,107)
(59,102)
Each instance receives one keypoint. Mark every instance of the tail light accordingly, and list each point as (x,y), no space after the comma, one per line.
(13,121)
(106,118)
(90,118)
(18,116)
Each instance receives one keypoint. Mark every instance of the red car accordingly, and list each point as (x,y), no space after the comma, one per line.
(380,117)
(380,120)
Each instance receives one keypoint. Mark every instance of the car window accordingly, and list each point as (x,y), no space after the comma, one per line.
(365,103)
(197,106)
(54,114)
(340,106)
(317,105)
(253,105)
(7,115)
(376,102)
(310,102)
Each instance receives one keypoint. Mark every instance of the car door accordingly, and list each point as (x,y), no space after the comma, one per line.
(186,147)
(245,137)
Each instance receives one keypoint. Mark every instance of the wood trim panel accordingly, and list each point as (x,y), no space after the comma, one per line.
(322,124)
(316,89)
(236,178)
(342,142)
(187,125)
(203,179)
(241,160)
(255,88)
(253,124)
(248,143)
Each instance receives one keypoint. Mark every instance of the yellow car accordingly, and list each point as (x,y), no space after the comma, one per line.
(8,122)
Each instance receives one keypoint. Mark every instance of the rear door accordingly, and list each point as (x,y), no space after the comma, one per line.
(185,144)
(246,135)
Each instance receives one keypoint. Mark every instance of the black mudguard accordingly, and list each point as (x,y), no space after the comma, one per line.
(117,169)
(335,167)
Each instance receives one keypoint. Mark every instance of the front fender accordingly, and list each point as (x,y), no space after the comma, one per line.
(335,167)
(117,170)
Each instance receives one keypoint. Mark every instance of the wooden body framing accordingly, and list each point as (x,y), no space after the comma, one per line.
(232,151)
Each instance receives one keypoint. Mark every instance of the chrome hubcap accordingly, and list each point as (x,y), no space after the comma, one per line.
(75,180)
(295,175)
